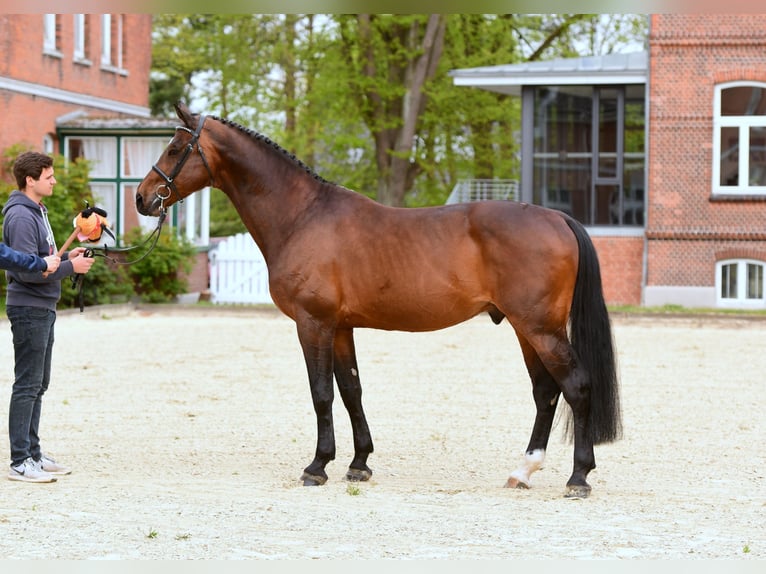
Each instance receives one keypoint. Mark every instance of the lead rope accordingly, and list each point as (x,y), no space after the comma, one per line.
(79,278)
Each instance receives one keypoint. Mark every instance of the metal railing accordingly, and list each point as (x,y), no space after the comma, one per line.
(467,190)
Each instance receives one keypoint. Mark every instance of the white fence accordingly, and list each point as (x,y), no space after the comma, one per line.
(238,272)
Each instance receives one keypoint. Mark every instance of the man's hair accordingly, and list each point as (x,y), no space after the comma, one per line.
(30,163)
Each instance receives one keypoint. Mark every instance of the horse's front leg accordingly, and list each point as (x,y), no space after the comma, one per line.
(347,377)
(316,341)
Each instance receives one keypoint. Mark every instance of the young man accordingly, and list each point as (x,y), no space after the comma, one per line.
(31,308)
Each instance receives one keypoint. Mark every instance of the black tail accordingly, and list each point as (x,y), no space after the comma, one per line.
(591,337)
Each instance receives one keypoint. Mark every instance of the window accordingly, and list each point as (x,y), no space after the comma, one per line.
(111,42)
(51,41)
(588,157)
(80,38)
(117,164)
(739,139)
(739,284)
(106,39)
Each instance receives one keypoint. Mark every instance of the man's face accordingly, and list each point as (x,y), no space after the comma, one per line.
(42,187)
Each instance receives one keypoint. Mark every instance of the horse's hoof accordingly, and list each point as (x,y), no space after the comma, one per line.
(577,491)
(516,483)
(312,479)
(358,475)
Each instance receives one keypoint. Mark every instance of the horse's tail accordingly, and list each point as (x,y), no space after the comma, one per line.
(590,334)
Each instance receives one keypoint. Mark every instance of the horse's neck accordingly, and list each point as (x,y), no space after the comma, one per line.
(271,210)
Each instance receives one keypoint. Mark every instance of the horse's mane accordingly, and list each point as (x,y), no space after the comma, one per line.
(274,145)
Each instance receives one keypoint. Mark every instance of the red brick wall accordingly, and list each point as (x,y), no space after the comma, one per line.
(22,58)
(621,260)
(687,230)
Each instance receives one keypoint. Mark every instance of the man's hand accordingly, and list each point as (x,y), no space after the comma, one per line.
(80,263)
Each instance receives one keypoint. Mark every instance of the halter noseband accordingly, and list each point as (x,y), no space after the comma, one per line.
(170,184)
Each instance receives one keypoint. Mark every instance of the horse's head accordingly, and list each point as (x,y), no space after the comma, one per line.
(181,170)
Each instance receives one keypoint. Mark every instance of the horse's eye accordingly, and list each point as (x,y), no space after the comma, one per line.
(172,151)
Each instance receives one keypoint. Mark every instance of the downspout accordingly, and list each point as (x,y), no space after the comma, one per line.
(647,161)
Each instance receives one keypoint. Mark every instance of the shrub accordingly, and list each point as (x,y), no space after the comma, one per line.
(160,276)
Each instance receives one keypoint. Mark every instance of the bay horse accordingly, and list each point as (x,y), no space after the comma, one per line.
(337,260)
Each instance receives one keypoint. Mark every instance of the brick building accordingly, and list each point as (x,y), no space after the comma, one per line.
(78,85)
(685,121)
(706,232)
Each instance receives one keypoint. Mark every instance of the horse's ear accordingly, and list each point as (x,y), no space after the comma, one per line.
(183,113)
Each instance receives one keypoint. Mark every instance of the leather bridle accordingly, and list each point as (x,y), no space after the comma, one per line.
(169,180)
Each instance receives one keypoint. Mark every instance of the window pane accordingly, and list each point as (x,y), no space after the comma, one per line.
(743,101)
(79,36)
(563,119)
(101,152)
(105,195)
(607,132)
(633,189)
(138,155)
(757,158)
(49,32)
(729,281)
(563,184)
(634,122)
(729,156)
(607,205)
(754,281)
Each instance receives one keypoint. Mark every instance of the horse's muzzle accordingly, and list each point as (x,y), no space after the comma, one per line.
(142,207)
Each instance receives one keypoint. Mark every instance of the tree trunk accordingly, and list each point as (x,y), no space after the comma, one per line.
(394,145)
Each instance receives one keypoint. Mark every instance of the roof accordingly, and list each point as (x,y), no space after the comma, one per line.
(630,68)
(82,121)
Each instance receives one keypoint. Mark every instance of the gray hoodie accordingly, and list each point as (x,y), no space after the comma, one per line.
(26,229)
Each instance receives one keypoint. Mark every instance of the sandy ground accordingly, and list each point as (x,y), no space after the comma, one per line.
(188,430)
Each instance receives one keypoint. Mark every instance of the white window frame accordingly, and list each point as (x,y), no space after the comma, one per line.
(112,59)
(743,123)
(740,301)
(49,35)
(106,39)
(79,38)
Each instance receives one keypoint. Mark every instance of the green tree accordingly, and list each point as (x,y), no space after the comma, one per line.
(366,99)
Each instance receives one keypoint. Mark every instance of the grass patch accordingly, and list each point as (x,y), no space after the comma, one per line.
(353,489)
(681,310)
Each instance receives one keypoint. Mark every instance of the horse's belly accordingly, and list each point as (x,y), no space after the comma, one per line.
(409,313)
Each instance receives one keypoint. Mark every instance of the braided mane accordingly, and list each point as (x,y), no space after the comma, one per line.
(262,138)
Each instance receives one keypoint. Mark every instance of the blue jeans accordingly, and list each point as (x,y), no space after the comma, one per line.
(32,329)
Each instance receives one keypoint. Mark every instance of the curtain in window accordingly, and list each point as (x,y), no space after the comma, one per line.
(140,155)
(102,153)
(105,195)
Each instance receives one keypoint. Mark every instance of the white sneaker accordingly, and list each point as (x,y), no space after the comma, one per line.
(30,471)
(52,467)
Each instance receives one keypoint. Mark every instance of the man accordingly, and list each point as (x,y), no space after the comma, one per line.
(31,308)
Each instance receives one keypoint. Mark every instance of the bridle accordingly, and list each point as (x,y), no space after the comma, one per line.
(170,184)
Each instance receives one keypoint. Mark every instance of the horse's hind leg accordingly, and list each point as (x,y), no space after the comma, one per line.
(558,358)
(546,394)
(347,377)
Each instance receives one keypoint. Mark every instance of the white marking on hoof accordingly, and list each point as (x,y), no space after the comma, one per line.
(533,461)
